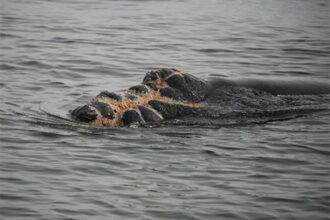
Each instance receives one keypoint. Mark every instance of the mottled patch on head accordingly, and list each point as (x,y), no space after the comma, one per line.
(171,93)
(104,108)
(159,83)
(130,96)
(151,76)
(169,110)
(164,93)
(149,114)
(131,116)
(84,113)
(110,95)
(153,87)
(158,78)
(139,89)
(165,72)
(176,81)
(141,100)
(177,72)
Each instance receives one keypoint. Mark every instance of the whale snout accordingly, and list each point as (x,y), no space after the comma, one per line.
(84,114)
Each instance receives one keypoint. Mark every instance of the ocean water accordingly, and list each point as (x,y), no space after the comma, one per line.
(56,55)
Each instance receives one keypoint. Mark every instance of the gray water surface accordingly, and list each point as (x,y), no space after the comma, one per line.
(56,55)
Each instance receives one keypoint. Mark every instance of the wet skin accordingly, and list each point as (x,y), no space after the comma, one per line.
(163,94)
(168,93)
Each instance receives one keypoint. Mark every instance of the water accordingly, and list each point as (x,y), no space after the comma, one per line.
(56,55)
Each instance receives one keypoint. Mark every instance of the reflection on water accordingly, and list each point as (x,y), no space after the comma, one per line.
(56,55)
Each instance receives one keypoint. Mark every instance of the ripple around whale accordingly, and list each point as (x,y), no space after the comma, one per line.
(273,164)
(182,99)
(230,110)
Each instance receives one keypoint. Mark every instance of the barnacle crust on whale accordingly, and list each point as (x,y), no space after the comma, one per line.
(152,88)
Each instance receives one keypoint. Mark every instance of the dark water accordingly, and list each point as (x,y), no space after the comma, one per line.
(56,55)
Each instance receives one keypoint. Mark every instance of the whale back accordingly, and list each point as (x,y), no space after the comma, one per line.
(290,86)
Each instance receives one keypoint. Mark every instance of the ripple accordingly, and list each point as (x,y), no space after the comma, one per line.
(5,35)
(18,212)
(32,63)
(211,50)
(306,51)
(269,163)
(7,67)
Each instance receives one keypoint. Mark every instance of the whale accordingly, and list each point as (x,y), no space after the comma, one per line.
(168,93)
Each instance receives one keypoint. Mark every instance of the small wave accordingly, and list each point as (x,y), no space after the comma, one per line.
(63,40)
(11,18)
(7,67)
(292,72)
(5,35)
(75,41)
(211,50)
(35,63)
(18,212)
(306,51)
